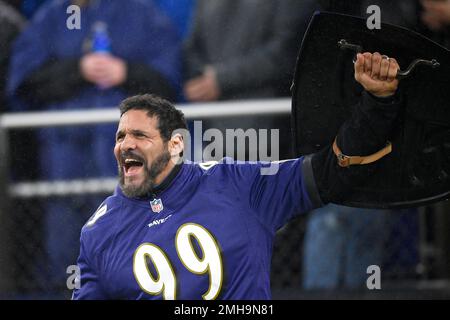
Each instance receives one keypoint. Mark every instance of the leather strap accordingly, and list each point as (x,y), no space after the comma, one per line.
(346,161)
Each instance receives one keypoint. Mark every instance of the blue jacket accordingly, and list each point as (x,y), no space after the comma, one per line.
(139,33)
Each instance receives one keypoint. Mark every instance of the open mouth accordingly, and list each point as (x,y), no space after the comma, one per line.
(132,166)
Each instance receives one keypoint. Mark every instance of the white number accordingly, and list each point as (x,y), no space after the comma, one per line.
(165,282)
(210,262)
(97,215)
(207,165)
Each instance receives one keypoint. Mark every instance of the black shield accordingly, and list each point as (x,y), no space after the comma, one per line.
(417,171)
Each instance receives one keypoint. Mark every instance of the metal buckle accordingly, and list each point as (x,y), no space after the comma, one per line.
(343,160)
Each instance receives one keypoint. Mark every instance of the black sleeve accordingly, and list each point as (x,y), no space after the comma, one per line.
(365,133)
(59,80)
(143,79)
(55,81)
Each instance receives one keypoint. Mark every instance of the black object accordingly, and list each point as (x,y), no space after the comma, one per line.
(417,171)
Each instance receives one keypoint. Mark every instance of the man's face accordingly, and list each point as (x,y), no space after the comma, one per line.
(141,153)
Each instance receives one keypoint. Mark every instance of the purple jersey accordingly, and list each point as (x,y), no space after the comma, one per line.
(208,235)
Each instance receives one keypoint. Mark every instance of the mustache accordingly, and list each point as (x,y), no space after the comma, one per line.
(131,155)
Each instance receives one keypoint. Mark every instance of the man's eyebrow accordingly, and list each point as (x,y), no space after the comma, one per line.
(137,131)
(133,132)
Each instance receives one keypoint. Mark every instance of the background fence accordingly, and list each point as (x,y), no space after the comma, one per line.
(22,251)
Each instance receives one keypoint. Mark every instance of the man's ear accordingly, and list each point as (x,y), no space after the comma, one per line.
(176,144)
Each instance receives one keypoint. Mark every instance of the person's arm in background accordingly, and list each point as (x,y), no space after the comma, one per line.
(56,80)
(274,62)
(46,79)
(193,52)
(11,23)
(32,65)
(61,79)
(31,50)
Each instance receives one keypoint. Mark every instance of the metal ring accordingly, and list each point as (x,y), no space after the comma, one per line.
(385,57)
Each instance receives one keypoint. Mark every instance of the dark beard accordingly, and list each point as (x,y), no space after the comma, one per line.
(145,189)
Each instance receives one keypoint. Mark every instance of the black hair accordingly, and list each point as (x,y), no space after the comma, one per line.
(169,118)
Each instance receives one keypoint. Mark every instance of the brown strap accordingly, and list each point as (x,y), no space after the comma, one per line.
(345,161)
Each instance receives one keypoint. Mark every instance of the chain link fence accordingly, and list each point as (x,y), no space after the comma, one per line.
(413,253)
(30,274)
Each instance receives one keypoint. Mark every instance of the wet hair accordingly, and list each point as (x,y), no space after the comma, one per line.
(169,118)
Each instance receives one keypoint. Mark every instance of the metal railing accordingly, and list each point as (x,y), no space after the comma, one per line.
(29,191)
(22,120)
(32,120)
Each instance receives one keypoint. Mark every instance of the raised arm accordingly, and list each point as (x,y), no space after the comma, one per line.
(363,139)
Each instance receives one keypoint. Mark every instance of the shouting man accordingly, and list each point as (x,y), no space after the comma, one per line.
(179,230)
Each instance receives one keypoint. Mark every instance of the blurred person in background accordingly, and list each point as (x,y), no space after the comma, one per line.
(245,49)
(179,11)
(180,14)
(435,20)
(27,7)
(340,243)
(123,47)
(11,22)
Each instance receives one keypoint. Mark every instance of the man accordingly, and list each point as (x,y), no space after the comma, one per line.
(121,48)
(340,241)
(228,56)
(176,230)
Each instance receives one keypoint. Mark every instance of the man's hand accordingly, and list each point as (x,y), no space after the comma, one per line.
(103,70)
(436,14)
(203,88)
(377,73)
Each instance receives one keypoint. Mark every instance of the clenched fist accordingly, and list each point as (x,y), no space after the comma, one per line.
(377,73)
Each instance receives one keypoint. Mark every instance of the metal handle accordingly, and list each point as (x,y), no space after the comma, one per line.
(344,44)
(403,74)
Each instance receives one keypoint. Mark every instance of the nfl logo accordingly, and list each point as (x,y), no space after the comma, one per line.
(156,205)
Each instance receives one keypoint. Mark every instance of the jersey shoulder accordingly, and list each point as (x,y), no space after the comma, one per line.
(102,222)
(225,165)
(226,175)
